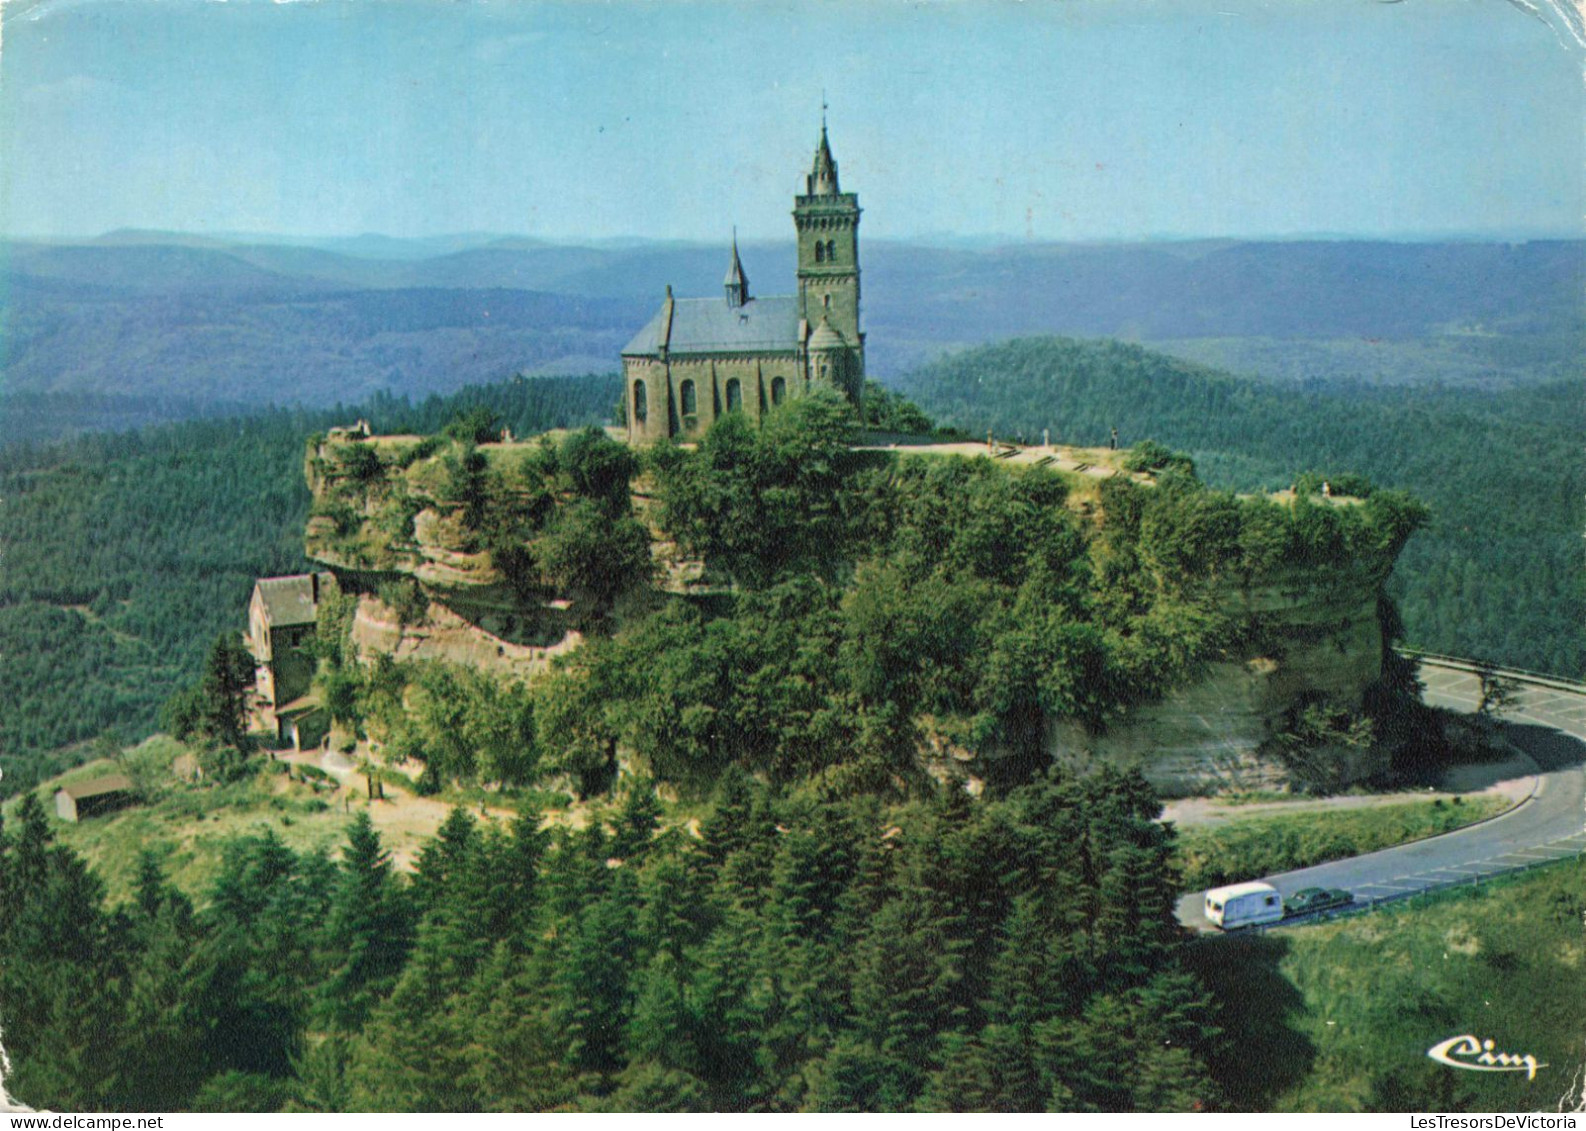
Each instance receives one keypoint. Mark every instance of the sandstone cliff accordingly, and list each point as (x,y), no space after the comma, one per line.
(396,517)
(1221,731)
(389,517)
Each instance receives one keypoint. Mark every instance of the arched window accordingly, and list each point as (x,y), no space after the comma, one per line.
(690,399)
(778,390)
(831,251)
(820,252)
(734,395)
(641,403)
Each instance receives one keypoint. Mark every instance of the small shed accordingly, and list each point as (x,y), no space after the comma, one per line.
(92,798)
(302,722)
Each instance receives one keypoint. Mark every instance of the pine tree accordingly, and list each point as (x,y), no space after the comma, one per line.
(165,1055)
(649,1087)
(725,830)
(61,1008)
(637,820)
(904,974)
(991,1071)
(661,1029)
(228,673)
(592,978)
(855,1077)
(412,1053)
(442,859)
(320,1077)
(29,854)
(259,963)
(7,882)
(729,1019)
(368,930)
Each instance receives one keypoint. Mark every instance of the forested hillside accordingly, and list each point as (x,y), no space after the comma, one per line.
(1495,575)
(813,925)
(122,556)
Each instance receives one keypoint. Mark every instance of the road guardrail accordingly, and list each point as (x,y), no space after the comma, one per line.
(1464,663)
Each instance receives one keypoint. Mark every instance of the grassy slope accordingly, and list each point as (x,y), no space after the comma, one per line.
(1252,847)
(1339,1017)
(187,826)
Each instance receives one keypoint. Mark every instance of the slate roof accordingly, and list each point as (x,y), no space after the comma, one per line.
(112,783)
(709,325)
(290,600)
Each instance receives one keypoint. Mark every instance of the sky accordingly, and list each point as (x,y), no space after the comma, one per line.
(676,119)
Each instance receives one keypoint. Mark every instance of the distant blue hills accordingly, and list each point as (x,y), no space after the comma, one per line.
(251,320)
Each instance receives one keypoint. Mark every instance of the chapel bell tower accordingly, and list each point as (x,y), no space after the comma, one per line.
(827,220)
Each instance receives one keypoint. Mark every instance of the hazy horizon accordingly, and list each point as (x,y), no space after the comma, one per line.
(945,240)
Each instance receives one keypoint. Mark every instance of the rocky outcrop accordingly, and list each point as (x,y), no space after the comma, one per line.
(492,642)
(393,510)
(389,517)
(1218,732)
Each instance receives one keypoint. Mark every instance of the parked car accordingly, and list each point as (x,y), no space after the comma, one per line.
(1307,901)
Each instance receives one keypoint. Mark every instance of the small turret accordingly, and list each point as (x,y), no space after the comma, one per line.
(826,338)
(737,282)
(829,355)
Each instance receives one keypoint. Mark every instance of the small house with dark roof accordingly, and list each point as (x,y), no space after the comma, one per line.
(281,621)
(93,798)
(700,358)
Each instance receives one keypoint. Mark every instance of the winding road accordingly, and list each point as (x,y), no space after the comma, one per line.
(1546,718)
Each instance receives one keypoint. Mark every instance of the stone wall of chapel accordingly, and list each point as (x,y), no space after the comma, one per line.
(650,375)
(712,376)
(683,370)
(666,398)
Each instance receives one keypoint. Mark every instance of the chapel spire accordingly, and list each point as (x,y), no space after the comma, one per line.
(822,180)
(737,283)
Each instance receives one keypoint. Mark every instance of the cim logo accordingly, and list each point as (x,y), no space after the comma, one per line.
(1477,1056)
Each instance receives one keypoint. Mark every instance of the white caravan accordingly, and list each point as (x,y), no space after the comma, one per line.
(1244,905)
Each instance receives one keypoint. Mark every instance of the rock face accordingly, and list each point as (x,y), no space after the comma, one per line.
(487,643)
(1218,733)
(388,518)
(392,505)
(390,510)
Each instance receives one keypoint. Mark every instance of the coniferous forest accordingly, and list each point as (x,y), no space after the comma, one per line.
(799,953)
